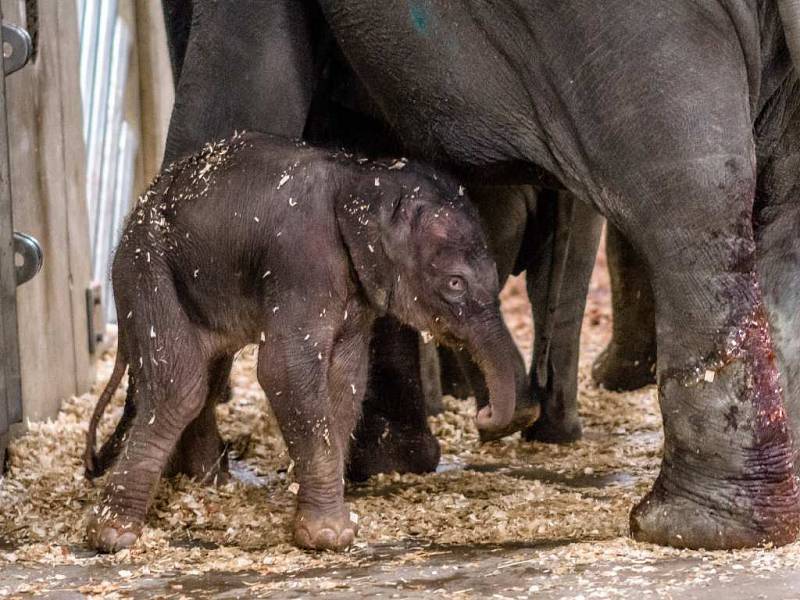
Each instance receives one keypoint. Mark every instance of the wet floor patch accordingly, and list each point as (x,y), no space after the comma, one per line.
(414,569)
(584,479)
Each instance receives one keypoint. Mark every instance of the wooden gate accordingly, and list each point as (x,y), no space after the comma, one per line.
(20,254)
(47,179)
(45,350)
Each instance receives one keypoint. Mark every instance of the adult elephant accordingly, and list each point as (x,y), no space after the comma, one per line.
(275,67)
(667,120)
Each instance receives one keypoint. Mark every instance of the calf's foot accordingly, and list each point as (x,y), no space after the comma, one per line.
(317,530)
(111,533)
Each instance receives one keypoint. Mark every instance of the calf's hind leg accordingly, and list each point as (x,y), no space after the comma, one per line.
(201,453)
(170,393)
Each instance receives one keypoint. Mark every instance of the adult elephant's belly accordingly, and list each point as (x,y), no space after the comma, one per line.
(646,114)
(441,81)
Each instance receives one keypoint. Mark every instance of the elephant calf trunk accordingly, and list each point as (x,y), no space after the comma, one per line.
(502,367)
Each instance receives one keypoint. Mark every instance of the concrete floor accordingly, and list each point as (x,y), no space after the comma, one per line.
(417,568)
(463,572)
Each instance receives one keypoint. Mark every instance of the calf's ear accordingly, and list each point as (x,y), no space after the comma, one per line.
(363,225)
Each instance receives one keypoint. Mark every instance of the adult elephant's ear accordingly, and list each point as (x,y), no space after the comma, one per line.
(364,220)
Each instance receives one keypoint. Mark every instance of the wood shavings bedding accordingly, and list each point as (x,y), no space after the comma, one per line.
(503,493)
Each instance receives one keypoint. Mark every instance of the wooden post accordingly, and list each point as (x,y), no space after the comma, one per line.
(48,179)
(156,90)
(10,390)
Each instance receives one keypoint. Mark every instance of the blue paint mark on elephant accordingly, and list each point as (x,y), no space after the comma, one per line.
(420,17)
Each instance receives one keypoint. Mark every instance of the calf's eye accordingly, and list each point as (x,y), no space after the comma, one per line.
(456,283)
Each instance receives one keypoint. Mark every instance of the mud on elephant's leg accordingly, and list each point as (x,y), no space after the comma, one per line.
(393,433)
(629,360)
(201,454)
(560,262)
(727,476)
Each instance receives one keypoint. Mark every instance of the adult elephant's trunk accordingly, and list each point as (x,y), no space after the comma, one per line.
(497,356)
(790,16)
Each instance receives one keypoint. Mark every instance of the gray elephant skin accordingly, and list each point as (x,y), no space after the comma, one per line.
(678,124)
(297,249)
(663,121)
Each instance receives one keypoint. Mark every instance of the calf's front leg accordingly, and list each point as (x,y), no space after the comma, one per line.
(316,388)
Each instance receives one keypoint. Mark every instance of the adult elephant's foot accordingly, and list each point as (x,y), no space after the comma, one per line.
(628,363)
(316,530)
(554,431)
(727,480)
(108,534)
(622,370)
(671,516)
(384,446)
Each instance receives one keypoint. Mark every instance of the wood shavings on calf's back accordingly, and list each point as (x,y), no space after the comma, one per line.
(184,180)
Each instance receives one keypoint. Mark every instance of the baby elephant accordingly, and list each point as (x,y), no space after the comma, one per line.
(298,249)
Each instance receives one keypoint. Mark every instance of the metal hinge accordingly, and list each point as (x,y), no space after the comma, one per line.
(28,257)
(17,48)
(95,319)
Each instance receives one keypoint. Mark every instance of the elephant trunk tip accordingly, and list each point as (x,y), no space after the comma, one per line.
(494,425)
(489,418)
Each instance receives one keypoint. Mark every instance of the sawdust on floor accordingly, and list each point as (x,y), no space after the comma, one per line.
(481,496)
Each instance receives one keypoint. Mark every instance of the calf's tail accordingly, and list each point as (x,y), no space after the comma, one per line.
(95,464)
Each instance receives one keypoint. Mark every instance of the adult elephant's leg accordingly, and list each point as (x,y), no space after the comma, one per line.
(727,477)
(430,376)
(777,224)
(242,67)
(393,433)
(560,264)
(178,23)
(248,66)
(629,360)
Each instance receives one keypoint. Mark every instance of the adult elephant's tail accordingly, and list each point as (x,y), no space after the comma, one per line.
(790,16)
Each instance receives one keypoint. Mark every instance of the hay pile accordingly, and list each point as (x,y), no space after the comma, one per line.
(502,493)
